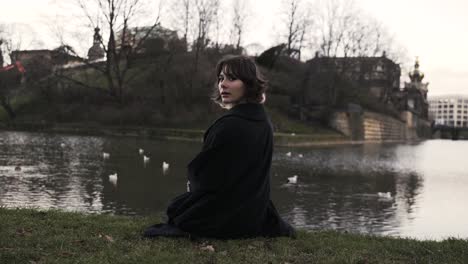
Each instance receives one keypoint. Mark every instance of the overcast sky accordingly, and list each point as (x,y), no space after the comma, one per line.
(434,30)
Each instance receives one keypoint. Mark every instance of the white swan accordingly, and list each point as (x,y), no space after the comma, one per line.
(300,156)
(105,155)
(384,195)
(165,166)
(62,145)
(141,151)
(292,179)
(113,178)
(146,159)
(288,154)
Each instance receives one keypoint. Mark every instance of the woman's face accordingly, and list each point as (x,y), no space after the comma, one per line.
(231,89)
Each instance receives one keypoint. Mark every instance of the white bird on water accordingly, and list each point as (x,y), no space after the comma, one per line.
(288,154)
(385,195)
(165,166)
(292,179)
(105,155)
(62,145)
(141,151)
(300,156)
(113,178)
(146,159)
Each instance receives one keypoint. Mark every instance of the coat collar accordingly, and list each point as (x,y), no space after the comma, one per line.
(251,111)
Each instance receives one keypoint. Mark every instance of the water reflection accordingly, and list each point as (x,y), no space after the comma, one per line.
(407,190)
(346,188)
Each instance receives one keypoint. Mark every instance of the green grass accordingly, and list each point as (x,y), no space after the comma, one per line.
(32,236)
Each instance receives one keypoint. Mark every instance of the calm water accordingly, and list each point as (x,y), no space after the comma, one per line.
(423,187)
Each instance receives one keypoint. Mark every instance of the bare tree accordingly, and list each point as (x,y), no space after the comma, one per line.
(344,30)
(1,52)
(206,13)
(17,37)
(124,39)
(14,37)
(297,21)
(239,16)
(182,18)
(334,17)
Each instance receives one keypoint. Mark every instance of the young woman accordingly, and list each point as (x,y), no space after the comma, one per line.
(229,180)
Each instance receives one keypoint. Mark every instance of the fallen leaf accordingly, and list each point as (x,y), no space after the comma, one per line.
(109,238)
(23,231)
(209,248)
(66,254)
(106,237)
(78,241)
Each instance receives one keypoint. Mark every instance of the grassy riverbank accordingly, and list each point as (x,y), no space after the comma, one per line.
(305,136)
(31,236)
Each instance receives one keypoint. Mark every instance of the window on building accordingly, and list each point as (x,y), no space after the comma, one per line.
(450,117)
(451,112)
(451,106)
(459,111)
(440,106)
(458,117)
(458,123)
(445,106)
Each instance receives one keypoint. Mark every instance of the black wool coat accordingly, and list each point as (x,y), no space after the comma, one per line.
(229,194)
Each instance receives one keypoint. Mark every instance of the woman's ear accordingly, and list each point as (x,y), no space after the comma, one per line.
(263,98)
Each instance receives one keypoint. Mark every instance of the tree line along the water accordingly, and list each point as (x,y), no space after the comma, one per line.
(162,80)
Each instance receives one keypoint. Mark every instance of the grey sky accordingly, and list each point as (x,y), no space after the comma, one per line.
(434,30)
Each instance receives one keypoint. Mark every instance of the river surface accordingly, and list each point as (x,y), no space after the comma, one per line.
(409,190)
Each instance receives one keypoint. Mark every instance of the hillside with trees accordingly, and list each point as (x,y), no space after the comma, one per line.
(150,75)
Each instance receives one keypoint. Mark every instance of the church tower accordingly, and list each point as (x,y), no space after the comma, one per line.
(96,52)
(416,77)
(416,92)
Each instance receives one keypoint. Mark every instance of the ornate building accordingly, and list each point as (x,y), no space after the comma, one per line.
(96,52)
(413,97)
(341,80)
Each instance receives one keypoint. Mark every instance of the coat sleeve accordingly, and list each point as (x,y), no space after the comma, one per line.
(222,159)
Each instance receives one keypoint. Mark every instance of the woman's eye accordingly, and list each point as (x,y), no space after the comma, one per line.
(220,79)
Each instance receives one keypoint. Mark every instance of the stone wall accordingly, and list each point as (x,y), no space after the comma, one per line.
(371,126)
(380,127)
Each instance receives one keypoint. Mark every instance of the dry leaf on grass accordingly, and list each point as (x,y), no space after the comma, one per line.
(208,248)
(23,231)
(107,238)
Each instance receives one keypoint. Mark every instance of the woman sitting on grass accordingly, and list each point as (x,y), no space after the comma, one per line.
(229,180)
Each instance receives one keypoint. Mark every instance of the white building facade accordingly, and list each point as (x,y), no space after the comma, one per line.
(449,110)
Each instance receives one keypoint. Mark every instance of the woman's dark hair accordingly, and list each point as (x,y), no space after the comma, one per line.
(242,68)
